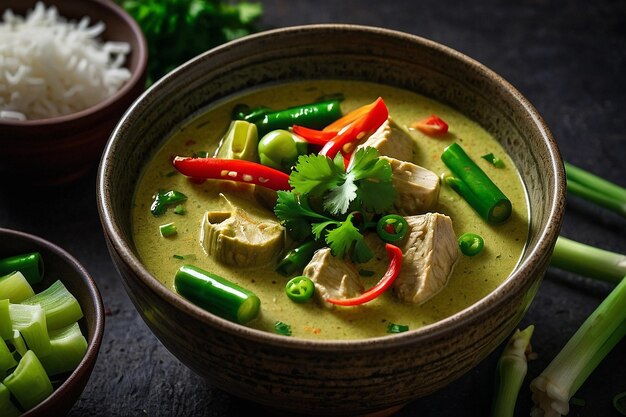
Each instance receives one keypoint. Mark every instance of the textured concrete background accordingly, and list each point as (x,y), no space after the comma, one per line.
(567,57)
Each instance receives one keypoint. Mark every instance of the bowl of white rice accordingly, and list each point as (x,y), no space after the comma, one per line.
(69,69)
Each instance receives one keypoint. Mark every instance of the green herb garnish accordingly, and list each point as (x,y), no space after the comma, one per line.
(493,160)
(282,328)
(397,328)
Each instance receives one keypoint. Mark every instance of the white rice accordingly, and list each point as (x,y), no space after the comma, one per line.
(50,66)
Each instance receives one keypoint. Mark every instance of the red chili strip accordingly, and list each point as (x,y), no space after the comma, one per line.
(432,126)
(395,264)
(364,125)
(316,137)
(232,170)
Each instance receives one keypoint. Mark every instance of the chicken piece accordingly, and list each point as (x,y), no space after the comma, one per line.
(333,277)
(392,141)
(430,252)
(242,235)
(417,188)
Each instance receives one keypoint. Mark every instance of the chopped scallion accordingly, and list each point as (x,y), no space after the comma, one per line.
(29,383)
(18,343)
(397,328)
(31,323)
(7,361)
(168,229)
(282,328)
(180,210)
(67,349)
(6,405)
(493,160)
(15,287)
(6,328)
(60,306)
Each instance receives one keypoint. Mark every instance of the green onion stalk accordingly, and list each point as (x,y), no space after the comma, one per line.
(593,188)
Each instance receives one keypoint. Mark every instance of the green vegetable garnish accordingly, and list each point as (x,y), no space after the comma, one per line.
(300,289)
(29,383)
(15,287)
(180,210)
(397,328)
(168,229)
(297,258)
(61,308)
(493,160)
(178,30)
(392,228)
(471,244)
(163,199)
(282,328)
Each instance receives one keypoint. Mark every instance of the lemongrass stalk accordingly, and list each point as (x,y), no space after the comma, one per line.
(555,386)
(67,349)
(588,261)
(7,361)
(29,383)
(15,287)
(598,190)
(6,327)
(7,408)
(60,306)
(510,373)
(31,323)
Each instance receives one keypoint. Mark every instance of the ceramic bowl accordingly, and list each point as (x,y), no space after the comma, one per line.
(58,264)
(329,378)
(63,148)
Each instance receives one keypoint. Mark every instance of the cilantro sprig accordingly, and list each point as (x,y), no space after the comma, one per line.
(363,187)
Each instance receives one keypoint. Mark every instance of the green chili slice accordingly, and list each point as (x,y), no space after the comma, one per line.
(493,160)
(162,199)
(475,186)
(282,328)
(300,289)
(296,259)
(216,294)
(471,244)
(29,264)
(392,228)
(314,115)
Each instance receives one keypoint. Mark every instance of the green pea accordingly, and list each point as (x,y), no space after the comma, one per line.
(280,149)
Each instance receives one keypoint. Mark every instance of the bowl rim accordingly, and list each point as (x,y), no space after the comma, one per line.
(534,256)
(135,77)
(94,342)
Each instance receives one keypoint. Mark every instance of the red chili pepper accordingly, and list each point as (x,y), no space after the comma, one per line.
(431,125)
(232,170)
(395,263)
(316,137)
(366,123)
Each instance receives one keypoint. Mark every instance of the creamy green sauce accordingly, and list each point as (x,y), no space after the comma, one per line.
(473,278)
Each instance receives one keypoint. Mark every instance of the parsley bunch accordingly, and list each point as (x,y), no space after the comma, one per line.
(178,30)
(363,187)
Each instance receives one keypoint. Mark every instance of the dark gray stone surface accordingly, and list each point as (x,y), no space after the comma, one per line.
(567,57)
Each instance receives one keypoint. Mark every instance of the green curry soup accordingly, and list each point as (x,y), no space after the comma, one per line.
(472,279)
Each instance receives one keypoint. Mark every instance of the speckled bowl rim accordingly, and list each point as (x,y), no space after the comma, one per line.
(505,292)
(135,77)
(94,342)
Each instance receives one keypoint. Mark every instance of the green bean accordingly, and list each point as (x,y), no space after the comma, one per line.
(475,186)
(29,264)
(314,115)
(297,258)
(216,294)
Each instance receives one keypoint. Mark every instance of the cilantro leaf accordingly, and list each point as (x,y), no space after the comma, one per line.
(294,213)
(375,196)
(339,198)
(347,239)
(315,174)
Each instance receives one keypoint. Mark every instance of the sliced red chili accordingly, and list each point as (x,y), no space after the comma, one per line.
(316,137)
(365,124)
(432,125)
(232,170)
(395,263)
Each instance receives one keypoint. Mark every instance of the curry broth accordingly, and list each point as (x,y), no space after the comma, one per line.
(473,278)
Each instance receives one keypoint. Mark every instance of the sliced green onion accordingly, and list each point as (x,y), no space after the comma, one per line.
(598,190)
(60,306)
(619,402)
(216,294)
(510,373)
(471,244)
(7,361)
(282,328)
(180,210)
(300,289)
(475,186)
(588,260)
(6,328)
(18,343)
(30,265)
(15,287)
(67,349)
(29,383)
(168,229)
(493,160)
(6,405)
(397,328)
(163,199)
(31,323)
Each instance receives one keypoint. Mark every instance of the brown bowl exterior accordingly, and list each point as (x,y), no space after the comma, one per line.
(63,148)
(60,265)
(332,377)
